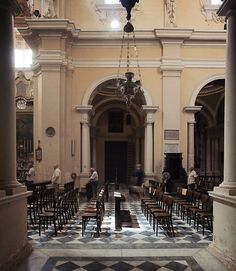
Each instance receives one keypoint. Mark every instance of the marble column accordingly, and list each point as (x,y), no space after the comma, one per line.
(224,205)
(13,196)
(7,102)
(148,143)
(85,143)
(191,110)
(230,108)
(191,144)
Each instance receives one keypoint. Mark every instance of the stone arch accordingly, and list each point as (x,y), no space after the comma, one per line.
(92,87)
(199,88)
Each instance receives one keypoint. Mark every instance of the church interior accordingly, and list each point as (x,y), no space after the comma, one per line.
(141,93)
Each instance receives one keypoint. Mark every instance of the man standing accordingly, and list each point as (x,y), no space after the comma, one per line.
(56,179)
(192,176)
(30,175)
(139,174)
(93,179)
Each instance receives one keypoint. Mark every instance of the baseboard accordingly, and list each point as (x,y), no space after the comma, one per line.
(228,262)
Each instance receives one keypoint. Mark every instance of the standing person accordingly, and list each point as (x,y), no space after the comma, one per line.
(192,176)
(93,179)
(30,175)
(56,179)
(139,174)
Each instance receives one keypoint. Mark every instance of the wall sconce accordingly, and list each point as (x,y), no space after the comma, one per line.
(72,147)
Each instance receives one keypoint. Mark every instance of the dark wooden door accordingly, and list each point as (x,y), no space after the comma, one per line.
(116,162)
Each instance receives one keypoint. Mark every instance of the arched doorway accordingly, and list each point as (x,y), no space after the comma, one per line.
(209,129)
(116,133)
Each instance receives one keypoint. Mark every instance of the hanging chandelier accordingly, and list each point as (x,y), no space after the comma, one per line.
(129,87)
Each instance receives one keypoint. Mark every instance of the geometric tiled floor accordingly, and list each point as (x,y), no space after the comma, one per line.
(132,248)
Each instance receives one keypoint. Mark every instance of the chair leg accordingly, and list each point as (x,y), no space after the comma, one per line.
(39,226)
(203,222)
(157,228)
(55,226)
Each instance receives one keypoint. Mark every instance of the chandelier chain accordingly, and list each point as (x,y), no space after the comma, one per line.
(128,54)
(136,56)
(121,54)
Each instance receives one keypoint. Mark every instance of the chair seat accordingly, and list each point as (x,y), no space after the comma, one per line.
(46,214)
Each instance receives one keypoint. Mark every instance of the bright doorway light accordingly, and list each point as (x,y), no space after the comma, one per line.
(215,2)
(115,24)
(112,2)
(23,58)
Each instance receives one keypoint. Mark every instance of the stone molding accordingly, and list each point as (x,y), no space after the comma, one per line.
(12,198)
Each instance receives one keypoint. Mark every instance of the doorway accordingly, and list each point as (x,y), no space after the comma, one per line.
(116,161)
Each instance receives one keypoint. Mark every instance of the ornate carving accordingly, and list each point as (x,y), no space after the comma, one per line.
(50,9)
(24,86)
(25,9)
(170,8)
(209,13)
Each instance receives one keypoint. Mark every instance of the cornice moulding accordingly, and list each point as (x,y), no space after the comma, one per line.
(208,35)
(204,63)
(113,63)
(51,25)
(192,109)
(173,33)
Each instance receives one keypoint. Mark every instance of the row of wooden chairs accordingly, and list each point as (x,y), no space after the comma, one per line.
(95,210)
(158,210)
(189,204)
(63,209)
(196,206)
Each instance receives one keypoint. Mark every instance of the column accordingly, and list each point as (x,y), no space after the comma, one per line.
(13,201)
(85,143)
(7,101)
(191,110)
(148,140)
(190,144)
(230,108)
(224,205)
(85,111)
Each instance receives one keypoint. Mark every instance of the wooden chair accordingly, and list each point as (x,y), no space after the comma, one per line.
(96,214)
(207,215)
(165,217)
(54,216)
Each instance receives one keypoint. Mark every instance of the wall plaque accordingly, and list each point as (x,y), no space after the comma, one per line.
(171,148)
(171,134)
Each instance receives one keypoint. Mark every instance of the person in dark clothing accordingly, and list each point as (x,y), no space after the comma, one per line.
(139,174)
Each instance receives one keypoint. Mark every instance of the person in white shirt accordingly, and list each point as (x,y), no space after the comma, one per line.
(93,179)
(192,176)
(30,175)
(56,179)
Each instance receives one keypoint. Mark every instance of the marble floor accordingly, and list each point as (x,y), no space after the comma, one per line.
(135,247)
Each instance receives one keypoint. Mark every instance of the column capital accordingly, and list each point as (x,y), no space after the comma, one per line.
(150,108)
(12,5)
(84,108)
(86,111)
(149,111)
(191,110)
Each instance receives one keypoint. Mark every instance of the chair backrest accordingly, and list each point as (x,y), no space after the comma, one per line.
(169,204)
(196,198)
(210,205)
(204,201)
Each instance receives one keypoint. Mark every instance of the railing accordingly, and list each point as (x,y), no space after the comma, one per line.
(207,182)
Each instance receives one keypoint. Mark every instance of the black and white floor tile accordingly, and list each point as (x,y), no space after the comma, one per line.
(138,237)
